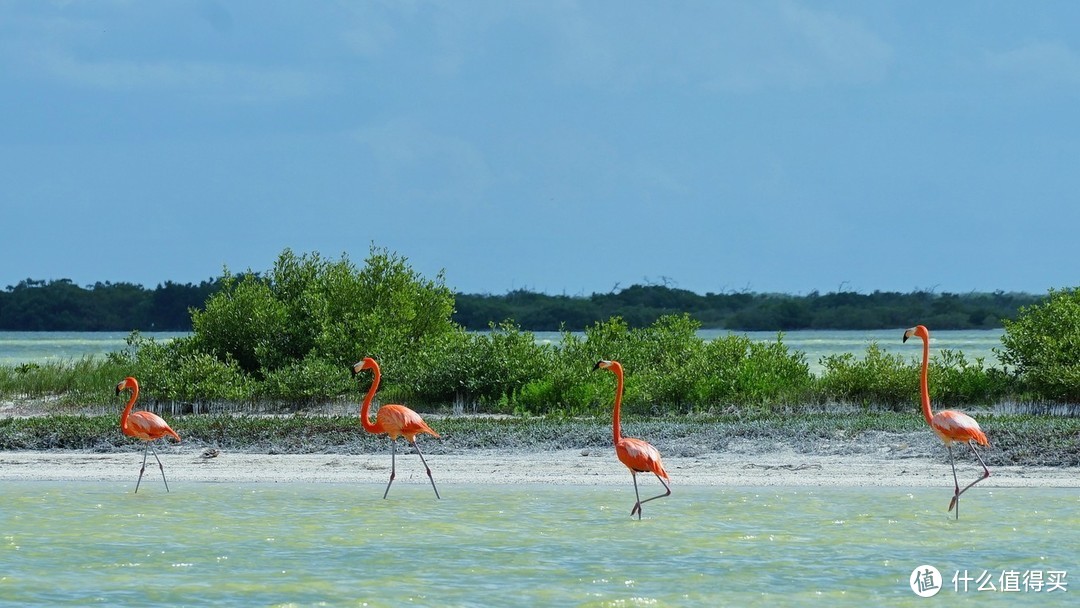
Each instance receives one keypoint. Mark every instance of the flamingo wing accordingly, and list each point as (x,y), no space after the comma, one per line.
(951,426)
(398,420)
(640,456)
(148,426)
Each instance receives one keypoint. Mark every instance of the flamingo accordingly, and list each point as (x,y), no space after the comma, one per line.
(394,420)
(146,426)
(949,425)
(638,455)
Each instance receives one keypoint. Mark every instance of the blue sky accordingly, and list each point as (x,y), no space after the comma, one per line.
(559,146)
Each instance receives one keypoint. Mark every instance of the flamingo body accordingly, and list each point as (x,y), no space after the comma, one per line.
(637,454)
(640,457)
(951,426)
(392,420)
(145,426)
(400,421)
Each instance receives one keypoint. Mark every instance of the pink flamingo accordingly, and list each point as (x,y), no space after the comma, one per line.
(394,420)
(639,456)
(146,426)
(949,425)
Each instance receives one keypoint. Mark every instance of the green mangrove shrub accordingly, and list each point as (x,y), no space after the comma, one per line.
(1042,346)
(878,379)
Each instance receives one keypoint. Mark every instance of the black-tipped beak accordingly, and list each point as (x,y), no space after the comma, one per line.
(597,366)
(118,390)
(905,339)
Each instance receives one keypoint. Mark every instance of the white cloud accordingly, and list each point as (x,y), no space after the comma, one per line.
(419,165)
(736,46)
(1041,63)
(206,80)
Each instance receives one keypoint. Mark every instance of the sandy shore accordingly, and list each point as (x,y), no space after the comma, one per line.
(583,467)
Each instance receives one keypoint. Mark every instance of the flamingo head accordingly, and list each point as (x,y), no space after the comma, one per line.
(604,364)
(127,383)
(918,330)
(367,363)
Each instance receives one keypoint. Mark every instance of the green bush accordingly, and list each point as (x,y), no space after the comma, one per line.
(1042,346)
(763,373)
(956,381)
(668,368)
(478,369)
(877,379)
(307,306)
(309,381)
(244,321)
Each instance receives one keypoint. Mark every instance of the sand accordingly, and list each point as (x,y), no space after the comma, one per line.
(583,467)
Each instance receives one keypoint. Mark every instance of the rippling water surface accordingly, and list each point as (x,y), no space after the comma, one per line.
(232,545)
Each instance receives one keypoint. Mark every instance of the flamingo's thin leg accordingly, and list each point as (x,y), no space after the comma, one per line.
(426,468)
(666,493)
(393,466)
(160,467)
(143,469)
(986,471)
(955,502)
(637,505)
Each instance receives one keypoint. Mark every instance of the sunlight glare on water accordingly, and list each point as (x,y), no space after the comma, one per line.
(247,544)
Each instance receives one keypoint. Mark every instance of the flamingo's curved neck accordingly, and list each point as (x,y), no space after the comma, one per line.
(130,404)
(365,409)
(616,427)
(924,390)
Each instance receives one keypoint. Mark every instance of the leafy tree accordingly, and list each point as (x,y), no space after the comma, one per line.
(1043,346)
(309,307)
(245,322)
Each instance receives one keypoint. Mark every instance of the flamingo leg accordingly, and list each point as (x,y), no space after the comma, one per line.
(955,502)
(426,468)
(667,492)
(160,466)
(986,473)
(393,466)
(143,469)
(637,506)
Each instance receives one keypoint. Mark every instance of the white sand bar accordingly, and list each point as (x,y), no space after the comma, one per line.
(582,467)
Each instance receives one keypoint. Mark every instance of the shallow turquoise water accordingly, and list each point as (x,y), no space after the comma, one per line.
(305,544)
(40,347)
(17,347)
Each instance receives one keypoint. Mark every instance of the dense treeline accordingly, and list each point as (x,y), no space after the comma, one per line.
(642,305)
(60,305)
